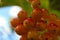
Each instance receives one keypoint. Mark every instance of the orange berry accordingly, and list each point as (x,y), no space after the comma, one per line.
(28,23)
(45,13)
(58,26)
(35,4)
(32,35)
(41,26)
(40,22)
(58,22)
(36,14)
(52,28)
(20,29)
(22,15)
(15,22)
(52,18)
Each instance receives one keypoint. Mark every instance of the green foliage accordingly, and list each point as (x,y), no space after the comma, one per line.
(55,4)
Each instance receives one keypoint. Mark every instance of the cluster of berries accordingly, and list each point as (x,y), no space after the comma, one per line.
(40,26)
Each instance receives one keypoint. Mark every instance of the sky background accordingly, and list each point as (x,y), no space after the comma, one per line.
(6,14)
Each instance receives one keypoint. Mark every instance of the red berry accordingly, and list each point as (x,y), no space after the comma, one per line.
(15,22)
(22,15)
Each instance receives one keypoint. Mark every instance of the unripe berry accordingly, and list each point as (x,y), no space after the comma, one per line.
(22,15)
(15,22)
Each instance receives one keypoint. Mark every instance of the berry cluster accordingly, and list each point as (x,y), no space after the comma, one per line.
(40,26)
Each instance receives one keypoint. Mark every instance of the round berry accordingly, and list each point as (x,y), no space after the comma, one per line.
(45,13)
(52,18)
(52,28)
(58,26)
(22,15)
(41,26)
(28,23)
(35,4)
(21,30)
(36,14)
(32,35)
(15,22)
